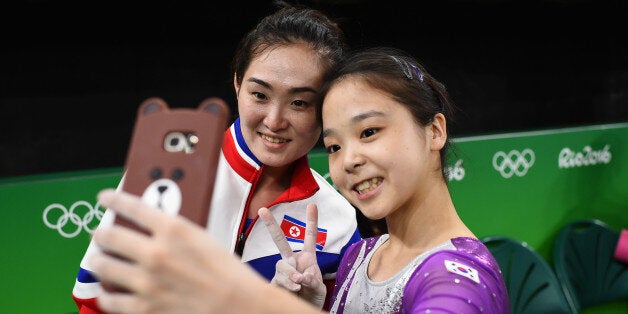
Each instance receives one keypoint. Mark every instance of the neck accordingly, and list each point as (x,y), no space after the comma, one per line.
(272,182)
(426,222)
(276,176)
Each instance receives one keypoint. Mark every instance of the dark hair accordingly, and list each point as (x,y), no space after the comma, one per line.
(291,24)
(399,75)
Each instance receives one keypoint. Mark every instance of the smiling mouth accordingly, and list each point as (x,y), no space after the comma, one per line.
(367,185)
(273,139)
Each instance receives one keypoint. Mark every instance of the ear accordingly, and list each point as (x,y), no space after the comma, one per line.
(236,86)
(213,105)
(438,132)
(151,105)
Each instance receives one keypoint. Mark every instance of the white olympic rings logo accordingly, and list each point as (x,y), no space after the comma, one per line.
(74,218)
(514,162)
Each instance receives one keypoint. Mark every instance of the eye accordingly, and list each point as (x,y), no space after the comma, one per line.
(259,96)
(155,173)
(177,174)
(299,103)
(368,132)
(332,149)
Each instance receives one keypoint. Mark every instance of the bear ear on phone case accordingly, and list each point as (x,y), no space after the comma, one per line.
(173,156)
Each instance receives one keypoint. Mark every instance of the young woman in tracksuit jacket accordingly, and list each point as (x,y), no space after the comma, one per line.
(279,68)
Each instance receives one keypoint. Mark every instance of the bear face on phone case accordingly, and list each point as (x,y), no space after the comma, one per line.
(173,155)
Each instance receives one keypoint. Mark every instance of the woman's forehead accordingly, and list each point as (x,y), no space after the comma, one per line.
(294,65)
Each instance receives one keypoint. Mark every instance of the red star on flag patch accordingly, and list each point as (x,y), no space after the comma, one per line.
(294,230)
(462,270)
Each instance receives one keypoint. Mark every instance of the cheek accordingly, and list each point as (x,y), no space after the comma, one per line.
(308,126)
(336,172)
(249,111)
(245,113)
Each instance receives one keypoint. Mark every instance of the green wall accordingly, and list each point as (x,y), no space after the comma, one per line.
(40,263)
(523,185)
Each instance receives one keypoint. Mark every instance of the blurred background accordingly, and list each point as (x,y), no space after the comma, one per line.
(72,73)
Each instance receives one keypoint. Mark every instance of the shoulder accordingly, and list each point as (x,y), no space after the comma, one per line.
(323,184)
(470,259)
(467,274)
(472,247)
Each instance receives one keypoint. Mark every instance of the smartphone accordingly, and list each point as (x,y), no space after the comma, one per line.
(173,156)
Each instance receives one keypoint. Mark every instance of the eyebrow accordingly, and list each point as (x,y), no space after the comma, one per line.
(293,90)
(356,119)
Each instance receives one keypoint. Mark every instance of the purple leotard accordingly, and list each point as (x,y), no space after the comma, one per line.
(459,277)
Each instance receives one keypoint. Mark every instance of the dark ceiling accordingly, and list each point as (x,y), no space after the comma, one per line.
(73,72)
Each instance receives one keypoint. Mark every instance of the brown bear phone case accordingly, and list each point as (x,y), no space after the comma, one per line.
(173,157)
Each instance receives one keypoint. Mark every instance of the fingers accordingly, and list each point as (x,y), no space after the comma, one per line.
(312,278)
(120,303)
(114,271)
(131,207)
(311,228)
(286,274)
(122,241)
(276,233)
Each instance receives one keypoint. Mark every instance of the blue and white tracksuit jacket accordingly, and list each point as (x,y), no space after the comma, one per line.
(237,176)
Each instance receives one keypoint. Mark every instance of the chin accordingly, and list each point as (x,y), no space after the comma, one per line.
(270,161)
(372,215)
(375,217)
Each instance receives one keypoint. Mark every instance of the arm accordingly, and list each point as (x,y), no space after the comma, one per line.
(455,283)
(177,269)
(87,286)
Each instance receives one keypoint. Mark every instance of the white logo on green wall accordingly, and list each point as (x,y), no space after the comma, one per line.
(455,172)
(515,162)
(588,157)
(69,222)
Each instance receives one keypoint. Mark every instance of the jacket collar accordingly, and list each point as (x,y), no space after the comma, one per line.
(248,166)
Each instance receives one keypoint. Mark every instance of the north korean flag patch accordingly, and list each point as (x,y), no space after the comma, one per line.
(462,270)
(294,230)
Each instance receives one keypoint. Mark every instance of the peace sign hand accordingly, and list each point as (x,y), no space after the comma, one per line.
(298,271)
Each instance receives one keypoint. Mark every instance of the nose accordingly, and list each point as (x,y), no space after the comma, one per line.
(353,159)
(275,118)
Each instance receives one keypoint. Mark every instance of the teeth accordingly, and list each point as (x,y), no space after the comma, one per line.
(273,139)
(368,185)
